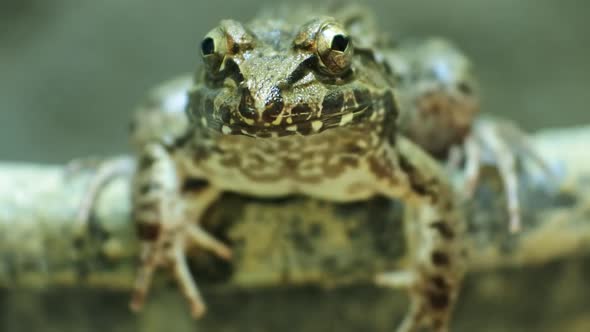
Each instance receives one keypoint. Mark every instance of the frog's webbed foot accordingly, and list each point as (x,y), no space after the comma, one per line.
(504,145)
(169,251)
(168,215)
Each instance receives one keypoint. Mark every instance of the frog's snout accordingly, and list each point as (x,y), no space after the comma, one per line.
(261,107)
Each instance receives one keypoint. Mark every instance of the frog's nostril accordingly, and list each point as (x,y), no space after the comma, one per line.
(273,108)
(247,108)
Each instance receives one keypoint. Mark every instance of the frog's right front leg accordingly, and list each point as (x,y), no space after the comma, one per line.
(167,218)
(434,226)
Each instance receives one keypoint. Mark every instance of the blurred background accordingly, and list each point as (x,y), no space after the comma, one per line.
(71,71)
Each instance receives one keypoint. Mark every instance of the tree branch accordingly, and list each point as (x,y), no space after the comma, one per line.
(293,241)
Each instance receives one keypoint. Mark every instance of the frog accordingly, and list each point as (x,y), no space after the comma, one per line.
(291,106)
(231,101)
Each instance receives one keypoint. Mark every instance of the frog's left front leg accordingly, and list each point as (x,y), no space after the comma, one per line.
(434,228)
(167,208)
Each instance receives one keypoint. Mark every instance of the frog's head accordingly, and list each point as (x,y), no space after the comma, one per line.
(276,80)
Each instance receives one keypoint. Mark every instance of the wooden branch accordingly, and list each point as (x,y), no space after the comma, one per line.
(288,241)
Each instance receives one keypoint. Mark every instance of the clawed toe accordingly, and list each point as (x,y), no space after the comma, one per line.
(203,239)
(171,253)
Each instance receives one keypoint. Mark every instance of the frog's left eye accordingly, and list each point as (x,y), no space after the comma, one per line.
(213,50)
(334,48)
(208,46)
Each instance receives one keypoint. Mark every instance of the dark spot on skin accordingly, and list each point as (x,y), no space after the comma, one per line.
(304,128)
(390,105)
(273,109)
(439,283)
(440,258)
(419,186)
(232,70)
(263,134)
(379,168)
(224,114)
(148,231)
(231,160)
(235,48)
(289,164)
(246,107)
(362,98)
(300,112)
(200,153)
(332,103)
(439,301)
(390,118)
(353,148)
(193,185)
(149,187)
(331,120)
(443,229)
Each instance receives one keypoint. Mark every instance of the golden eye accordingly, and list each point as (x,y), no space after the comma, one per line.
(334,48)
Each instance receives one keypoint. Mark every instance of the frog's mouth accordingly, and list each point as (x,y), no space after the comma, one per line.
(237,114)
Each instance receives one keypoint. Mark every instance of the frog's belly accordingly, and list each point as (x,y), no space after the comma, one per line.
(334,183)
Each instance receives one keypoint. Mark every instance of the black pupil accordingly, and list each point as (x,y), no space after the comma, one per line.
(339,43)
(208,46)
